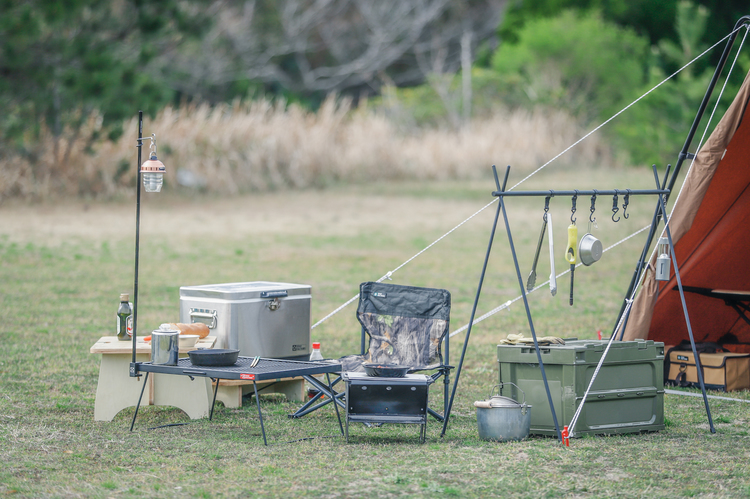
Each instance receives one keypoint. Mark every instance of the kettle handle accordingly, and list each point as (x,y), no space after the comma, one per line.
(500,389)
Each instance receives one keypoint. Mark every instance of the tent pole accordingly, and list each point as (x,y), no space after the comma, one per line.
(698,368)
(678,166)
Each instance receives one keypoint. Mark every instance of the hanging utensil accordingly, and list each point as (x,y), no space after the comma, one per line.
(571,256)
(590,249)
(552,276)
(532,275)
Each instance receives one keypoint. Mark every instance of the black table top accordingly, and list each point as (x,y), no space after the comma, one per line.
(265,369)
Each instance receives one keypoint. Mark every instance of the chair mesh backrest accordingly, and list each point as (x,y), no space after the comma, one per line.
(406,324)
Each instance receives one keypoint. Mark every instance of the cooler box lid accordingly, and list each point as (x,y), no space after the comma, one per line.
(245,290)
(583,352)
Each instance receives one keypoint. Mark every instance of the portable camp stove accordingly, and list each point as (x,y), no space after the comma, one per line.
(377,400)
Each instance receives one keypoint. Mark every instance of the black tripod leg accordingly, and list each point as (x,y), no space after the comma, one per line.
(145,380)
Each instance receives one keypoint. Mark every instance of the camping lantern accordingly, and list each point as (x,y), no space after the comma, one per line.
(152,173)
(153,170)
(662,261)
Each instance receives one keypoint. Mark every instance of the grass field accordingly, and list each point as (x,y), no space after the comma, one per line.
(63,266)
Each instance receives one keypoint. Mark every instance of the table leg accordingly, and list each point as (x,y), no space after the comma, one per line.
(213,402)
(139,402)
(260,414)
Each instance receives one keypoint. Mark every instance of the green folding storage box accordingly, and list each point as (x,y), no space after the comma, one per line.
(627,396)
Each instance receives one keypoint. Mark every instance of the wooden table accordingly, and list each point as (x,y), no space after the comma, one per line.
(117,390)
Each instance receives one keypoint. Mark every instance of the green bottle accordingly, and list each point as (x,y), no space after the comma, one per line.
(124,319)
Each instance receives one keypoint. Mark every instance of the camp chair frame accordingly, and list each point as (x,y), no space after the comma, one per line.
(410,306)
(418,314)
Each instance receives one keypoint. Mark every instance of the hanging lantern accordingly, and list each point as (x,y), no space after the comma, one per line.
(662,261)
(152,171)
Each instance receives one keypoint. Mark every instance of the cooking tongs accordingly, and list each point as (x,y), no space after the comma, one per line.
(546,220)
(532,275)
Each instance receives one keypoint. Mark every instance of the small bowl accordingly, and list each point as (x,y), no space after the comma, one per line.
(188,340)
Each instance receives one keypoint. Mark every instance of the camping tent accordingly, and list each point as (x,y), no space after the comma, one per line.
(710,227)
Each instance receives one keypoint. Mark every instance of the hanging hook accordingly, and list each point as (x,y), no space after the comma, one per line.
(546,207)
(625,203)
(615,208)
(573,208)
(593,208)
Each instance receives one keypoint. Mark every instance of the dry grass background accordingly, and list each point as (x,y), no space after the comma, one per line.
(262,145)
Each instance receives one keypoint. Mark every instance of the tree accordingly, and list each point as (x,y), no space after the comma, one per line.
(62,59)
(321,46)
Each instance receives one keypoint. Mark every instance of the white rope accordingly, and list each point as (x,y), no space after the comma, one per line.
(354,298)
(508,303)
(573,421)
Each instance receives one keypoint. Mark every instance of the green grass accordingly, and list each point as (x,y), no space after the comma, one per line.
(58,298)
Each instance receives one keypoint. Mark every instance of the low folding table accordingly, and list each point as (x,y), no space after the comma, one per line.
(265,369)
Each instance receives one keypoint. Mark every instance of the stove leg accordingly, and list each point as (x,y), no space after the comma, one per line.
(335,405)
(260,414)
(145,380)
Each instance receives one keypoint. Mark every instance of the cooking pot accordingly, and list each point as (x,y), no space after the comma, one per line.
(589,249)
(502,419)
(213,357)
(165,345)
(385,370)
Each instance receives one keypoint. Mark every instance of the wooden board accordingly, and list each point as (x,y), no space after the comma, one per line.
(110,344)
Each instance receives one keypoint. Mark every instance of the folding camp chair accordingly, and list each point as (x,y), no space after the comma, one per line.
(404,325)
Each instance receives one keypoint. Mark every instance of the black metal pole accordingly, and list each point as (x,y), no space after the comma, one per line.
(698,368)
(528,313)
(641,264)
(579,192)
(680,159)
(260,414)
(474,308)
(137,234)
(138,405)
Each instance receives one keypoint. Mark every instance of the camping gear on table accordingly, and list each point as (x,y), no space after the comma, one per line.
(268,319)
(520,339)
(215,357)
(503,419)
(377,400)
(724,371)
(627,395)
(165,347)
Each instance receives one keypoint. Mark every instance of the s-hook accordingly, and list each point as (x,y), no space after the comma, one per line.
(573,208)
(625,203)
(546,207)
(615,207)
(593,208)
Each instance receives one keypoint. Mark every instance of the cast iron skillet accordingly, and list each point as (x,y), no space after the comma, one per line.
(385,370)
(216,357)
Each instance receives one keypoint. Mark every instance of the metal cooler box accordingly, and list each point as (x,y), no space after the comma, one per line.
(627,396)
(268,319)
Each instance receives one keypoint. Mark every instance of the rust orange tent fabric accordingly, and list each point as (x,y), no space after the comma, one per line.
(711,229)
